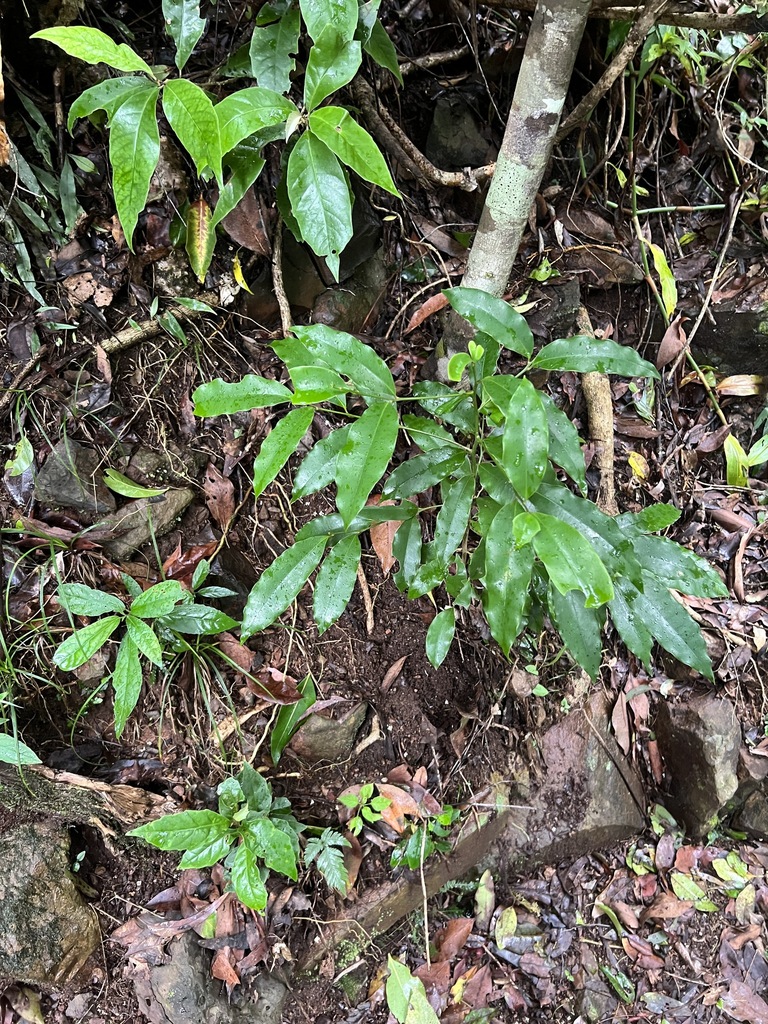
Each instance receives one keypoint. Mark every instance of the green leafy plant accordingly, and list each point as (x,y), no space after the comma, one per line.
(367,807)
(253,833)
(507,531)
(738,462)
(425,839)
(225,139)
(406,996)
(153,622)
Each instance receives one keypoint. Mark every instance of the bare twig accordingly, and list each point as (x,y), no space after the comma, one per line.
(635,37)
(597,395)
(7,400)
(151,328)
(676,15)
(370,621)
(433,60)
(277,278)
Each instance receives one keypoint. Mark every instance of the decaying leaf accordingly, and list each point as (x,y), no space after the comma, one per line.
(219,495)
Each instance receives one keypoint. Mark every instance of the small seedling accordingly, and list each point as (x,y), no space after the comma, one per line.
(367,807)
(425,839)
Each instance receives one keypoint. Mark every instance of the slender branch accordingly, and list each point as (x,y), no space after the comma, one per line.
(277,278)
(677,15)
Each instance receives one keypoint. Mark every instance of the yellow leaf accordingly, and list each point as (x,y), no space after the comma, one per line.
(639,465)
(237,271)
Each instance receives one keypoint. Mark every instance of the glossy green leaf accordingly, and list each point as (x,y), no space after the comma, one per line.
(336,581)
(289,718)
(246,879)
(191,114)
(280,583)
(406,548)
(628,622)
(255,788)
(525,444)
(121,484)
(427,434)
(274,846)
(564,445)
(584,354)
(314,384)
(507,579)
(145,639)
(218,398)
(492,316)
(278,446)
(320,199)
(352,145)
(678,568)
(106,95)
(13,751)
(365,456)
(198,620)
(736,462)
(423,471)
(245,164)
(184,25)
(158,600)
(127,678)
(666,277)
(84,643)
(318,469)
(272,51)
(401,985)
(440,636)
(207,855)
(458,409)
(571,561)
(77,599)
(94,47)
(184,830)
(524,528)
(758,453)
(655,517)
(339,14)
(671,625)
(248,111)
(453,518)
(366,18)
(347,355)
(579,626)
(380,47)
(134,150)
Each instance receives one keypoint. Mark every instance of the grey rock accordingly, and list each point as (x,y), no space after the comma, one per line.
(700,741)
(595,1002)
(454,140)
(71,478)
(182,991)
(353,305)
(47,932)
(329,739)
(132,526)
(753,817)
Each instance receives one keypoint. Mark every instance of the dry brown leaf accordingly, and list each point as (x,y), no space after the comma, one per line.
(672,344)
(222,969)
(742,385)
(382,536)
(620,723)
(742,1003)
(436,980)
(401,805)
(427,309)
(452,937)
(666,907)
(392,673)
(219,495)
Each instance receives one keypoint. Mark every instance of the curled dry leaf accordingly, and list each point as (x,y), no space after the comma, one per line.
(452,937)
(219,495)
(672,343)
(181,565)
(401,805)
(742,385)
(427,309)
(382,537)
(392,673)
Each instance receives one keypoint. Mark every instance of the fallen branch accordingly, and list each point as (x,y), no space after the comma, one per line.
(597,395)
(131,336)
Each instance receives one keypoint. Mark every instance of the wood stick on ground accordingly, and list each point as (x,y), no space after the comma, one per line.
(277,278)
(131,336)
(597,395)
(7,400)
(647,18)
(370,622)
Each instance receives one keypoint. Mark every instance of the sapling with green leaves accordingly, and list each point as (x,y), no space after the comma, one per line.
(503,523)
(253,832)
(225,137)
(151,623)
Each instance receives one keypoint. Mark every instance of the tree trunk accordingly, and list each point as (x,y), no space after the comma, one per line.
(545,75)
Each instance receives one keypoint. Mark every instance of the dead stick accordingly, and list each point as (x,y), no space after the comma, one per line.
(370,622)
(277,278)
(131,336)
(597,395)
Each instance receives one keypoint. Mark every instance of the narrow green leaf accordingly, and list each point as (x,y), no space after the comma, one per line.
(507,579)
(458,409)
(678,568)
(134,150)
(655,517)
(380,47)
(564,445)
(440,636)
(423,471)
(289,718)
(333,526)
(183,831)
(452,519)
(197,620)
(246,164)
(571,561)
(427,434)
(365,456)
(318,469)
(625,614)
(525,444)
(736,462)
(352,145)
(84,643)
(584,354)
(145,639)
(185,26)
(248,111)
(246,879)
(346,354)
(126,682)
(336,581)
(758,453)
(406,548)
(320,199)
(158,600)
(278,446)
(94,47)
(278,585)
(671,626)
(666,277)
(77,599)
(106,95)
(121,484)
(272,51)
(13,751)
(579,626)
(492,316)
(192,116)
(339,14)
(218,398)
